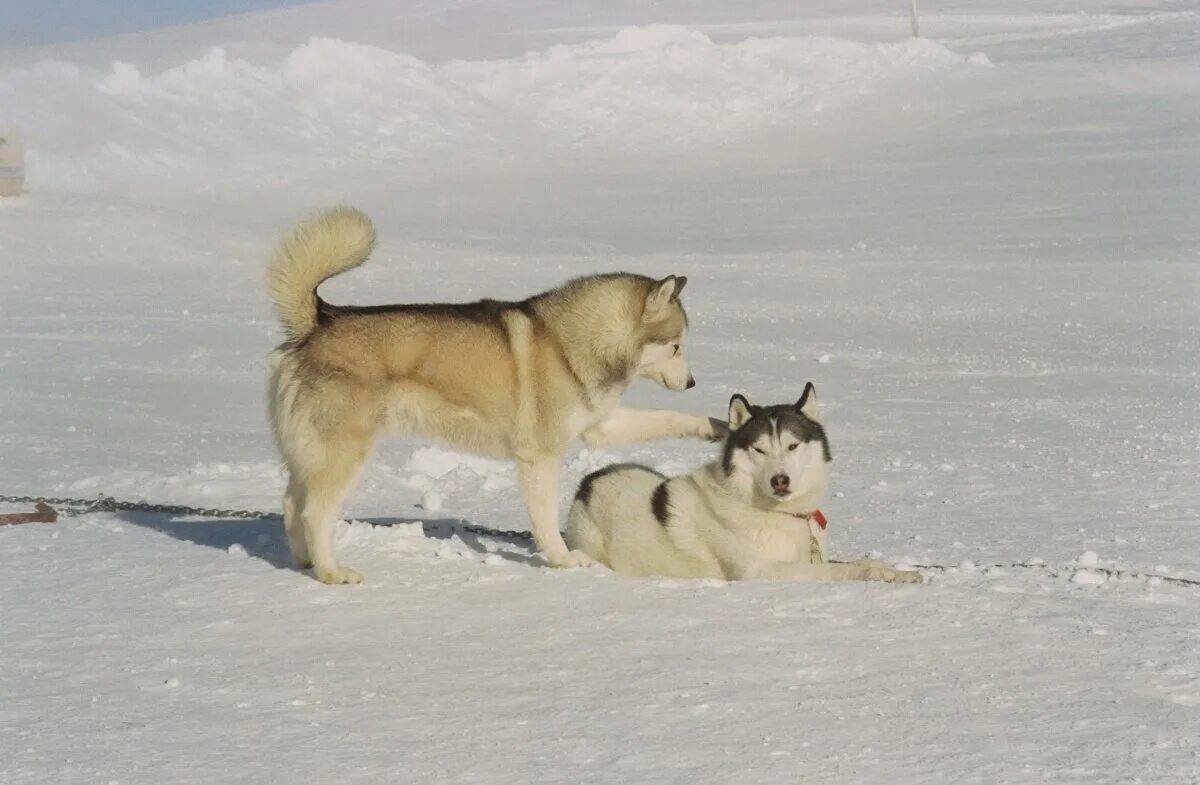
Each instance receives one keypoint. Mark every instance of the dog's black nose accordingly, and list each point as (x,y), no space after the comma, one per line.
(691,382)
(780,483)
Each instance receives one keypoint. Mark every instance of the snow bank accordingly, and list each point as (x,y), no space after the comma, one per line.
(647,86)
(219,120)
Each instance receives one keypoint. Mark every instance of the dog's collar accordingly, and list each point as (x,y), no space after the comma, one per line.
(815,515)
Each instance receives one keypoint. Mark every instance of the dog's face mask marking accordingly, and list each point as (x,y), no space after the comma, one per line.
(781,450)
(665,325)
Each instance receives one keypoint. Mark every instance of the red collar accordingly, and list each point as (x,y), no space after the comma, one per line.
(815,515)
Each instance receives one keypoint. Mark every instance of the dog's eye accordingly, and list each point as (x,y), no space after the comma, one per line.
(675,350)
(760,452)
(793,446)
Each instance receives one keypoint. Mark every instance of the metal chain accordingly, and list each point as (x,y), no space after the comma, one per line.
(70,507)
(1109,571)
(507,534)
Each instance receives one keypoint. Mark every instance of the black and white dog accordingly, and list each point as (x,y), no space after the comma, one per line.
(750,515)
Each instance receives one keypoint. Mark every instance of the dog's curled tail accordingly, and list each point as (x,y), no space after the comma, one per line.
(321,247)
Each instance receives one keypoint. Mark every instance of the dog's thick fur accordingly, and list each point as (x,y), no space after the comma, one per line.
(518,380)
(747,515)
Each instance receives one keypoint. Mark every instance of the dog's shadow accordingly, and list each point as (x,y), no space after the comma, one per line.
(265,539)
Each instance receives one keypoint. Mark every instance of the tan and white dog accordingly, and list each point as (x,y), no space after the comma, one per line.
(752,514)
(516,380)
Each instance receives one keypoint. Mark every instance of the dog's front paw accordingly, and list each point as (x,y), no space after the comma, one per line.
(338,575)
(878,571)
(569,559)
(715,430)
(872,572)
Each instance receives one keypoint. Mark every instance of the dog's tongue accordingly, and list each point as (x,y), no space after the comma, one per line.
(820,518)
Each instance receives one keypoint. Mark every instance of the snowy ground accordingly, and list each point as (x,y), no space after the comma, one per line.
(983,247)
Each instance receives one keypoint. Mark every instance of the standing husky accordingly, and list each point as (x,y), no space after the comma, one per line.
(752,514)
(514,380)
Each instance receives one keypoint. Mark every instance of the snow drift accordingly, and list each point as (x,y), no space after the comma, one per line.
(335,103)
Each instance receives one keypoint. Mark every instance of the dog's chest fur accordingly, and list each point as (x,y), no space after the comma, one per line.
(778,537)
(730,529)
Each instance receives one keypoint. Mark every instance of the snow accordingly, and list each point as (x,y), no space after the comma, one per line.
(981,246)
(1088,578)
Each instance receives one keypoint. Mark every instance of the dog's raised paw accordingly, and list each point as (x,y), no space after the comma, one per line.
(571,560)
(338,576)
(716,431)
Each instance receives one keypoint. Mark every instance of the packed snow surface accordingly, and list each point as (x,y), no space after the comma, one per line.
(982,246)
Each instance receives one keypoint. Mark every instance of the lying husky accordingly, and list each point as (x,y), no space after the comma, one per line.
(514,380)
(752,514)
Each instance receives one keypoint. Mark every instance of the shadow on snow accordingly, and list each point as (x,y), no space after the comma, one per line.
(265,540)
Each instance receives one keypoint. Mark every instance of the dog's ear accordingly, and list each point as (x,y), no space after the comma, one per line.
(663,292)
(807,405)
(739,411)
(680,282)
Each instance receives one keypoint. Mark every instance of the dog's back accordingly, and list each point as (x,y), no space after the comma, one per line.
(622,517)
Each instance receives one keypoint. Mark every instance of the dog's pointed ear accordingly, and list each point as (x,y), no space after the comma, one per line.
(807,405)
(663,292)
(739,411)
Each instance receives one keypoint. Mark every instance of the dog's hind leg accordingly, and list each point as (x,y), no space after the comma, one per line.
(583,534)
(325,488)
(293,500)
(539,485)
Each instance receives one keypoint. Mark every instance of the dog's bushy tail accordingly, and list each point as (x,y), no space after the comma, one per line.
(321,247)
